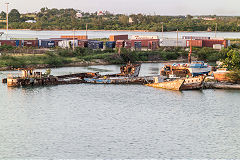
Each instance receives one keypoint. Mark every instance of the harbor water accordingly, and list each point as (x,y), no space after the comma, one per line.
(88,121)
(106,34)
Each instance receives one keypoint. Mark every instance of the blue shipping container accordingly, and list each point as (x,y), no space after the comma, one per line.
(138,44)
(46,43)
(110,44)
(95,44)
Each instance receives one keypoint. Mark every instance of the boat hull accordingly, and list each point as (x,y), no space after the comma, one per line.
(171,85)
(181,84)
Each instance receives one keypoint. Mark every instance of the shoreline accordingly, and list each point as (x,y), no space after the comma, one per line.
(111,30)
(82,64)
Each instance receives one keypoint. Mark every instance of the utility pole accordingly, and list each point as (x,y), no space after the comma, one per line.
(216,30)
(7,20)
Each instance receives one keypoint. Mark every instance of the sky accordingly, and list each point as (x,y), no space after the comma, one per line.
(158,7)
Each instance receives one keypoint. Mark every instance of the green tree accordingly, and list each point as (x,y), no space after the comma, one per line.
(14,16)
(3,15)
(233,60)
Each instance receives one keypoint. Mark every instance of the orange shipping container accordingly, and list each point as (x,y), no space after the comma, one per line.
(195,43)
(211,42)
(118,37)
(76,37)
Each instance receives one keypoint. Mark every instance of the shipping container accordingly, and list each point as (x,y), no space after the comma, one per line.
(195,38)
(23,38)
(137,45)
(46,43)
(8,42)
(56,40)
(95,44)
(19,43)
(79,37)
(111,44)
(143,37)
(144,42)
(120,43)
(152,45)
(30,43)
(127,44)
(172,42)
(118,37)
(216,38)
(83,43)
(218,46)
(211,42)
(68,43)
(194,43)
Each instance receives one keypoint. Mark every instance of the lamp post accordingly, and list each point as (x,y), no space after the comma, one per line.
(7,20)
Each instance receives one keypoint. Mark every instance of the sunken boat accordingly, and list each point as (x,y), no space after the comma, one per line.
(193,83)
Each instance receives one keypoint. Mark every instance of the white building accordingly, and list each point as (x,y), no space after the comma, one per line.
(79,15)
(30,21)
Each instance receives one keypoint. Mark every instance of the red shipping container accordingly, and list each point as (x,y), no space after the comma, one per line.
(194,43)
(152,45)
(211,42)
(8,42)
(118,37)
(145,42)
(83,43)
(30,43)
(120,44)
(128,44)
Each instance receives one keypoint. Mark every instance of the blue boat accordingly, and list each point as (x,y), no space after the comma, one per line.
(197,68)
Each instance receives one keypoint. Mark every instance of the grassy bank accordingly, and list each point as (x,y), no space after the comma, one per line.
(62,57)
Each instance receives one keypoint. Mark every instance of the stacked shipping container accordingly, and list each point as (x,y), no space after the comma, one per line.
(118,37)
(79,37)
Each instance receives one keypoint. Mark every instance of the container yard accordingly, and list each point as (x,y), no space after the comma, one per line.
(118,41)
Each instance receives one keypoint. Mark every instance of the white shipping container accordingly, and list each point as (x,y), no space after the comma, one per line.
(68,43)
(214,38)
(173,42)
(144,37)
(228,43)
(218,46)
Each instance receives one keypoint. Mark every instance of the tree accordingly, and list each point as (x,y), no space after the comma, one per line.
(233,60)
(123,19)
(189,16)
(14,16)
(3,15)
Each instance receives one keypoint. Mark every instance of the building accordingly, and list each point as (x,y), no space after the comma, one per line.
(79,15)
(31,21)
(130,20)
(100,13)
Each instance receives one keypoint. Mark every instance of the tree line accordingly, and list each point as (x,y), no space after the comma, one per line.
(66,19)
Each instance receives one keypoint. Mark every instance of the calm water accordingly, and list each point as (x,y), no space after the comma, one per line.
(105,34)
(117,121)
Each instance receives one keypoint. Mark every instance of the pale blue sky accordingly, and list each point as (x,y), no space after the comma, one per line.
(162,7)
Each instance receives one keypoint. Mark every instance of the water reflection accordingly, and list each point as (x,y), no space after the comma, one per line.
(90,121)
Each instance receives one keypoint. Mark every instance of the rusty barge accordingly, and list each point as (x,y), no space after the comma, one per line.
(129,75)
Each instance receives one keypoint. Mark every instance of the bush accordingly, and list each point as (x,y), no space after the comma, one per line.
(234,76)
